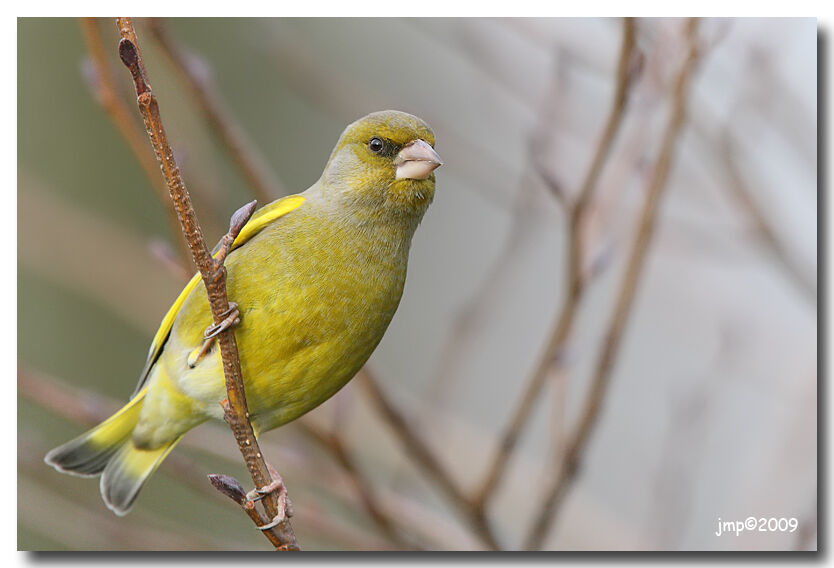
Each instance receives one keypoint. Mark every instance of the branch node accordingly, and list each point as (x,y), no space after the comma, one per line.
(129,55)
(236,224)
(228,486)
(145,99)
(241,217)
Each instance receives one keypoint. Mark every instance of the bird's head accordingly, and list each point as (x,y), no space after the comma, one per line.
(384,161)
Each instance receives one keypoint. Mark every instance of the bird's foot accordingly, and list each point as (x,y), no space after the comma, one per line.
(231,317)
(284,505)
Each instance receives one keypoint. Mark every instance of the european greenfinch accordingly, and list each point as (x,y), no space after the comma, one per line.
(318,277)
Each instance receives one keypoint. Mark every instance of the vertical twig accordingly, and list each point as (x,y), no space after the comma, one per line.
(249,161)
(575,280)
(104,85)
(214,278)
(642,237)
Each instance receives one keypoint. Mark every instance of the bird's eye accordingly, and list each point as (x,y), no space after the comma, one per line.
(376,145)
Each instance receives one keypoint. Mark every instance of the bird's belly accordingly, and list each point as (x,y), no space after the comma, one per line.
(306,356)
(310,318)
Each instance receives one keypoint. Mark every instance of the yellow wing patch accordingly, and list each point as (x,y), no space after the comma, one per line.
(109,433)
(259,220)
(266,216)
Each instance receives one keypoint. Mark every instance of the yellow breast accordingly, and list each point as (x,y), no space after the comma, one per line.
(316,295)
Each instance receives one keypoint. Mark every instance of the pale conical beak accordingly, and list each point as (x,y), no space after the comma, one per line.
(417,160)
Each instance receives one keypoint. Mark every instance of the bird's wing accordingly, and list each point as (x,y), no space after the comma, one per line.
(259,220)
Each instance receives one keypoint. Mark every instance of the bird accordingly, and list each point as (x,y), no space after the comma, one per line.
(316,278)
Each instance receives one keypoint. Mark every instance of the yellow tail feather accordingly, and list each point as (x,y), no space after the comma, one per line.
(108,449)
(89,453)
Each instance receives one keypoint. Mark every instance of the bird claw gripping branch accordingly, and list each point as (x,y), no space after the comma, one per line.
(231,317)
(285,509)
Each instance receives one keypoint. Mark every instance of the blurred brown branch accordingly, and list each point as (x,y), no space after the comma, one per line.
(197,77)
(104,89)
(333,443)
(83,525)
(645,228)
(214,278)
(744,196)
(425,458)
(575,275)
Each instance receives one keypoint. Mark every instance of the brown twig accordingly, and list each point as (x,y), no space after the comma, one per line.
(333,443)
(575,277)
(104,85)
(642,238)
(250,162)
(424,457)
(97,531)
(214,277)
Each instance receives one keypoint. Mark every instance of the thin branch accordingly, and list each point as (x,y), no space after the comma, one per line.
(250,162)
(575,277)
(333,443)
(425,458)
(104,85)
(214,277)
(744,197)
(162,252)
(97,531)
(642,238)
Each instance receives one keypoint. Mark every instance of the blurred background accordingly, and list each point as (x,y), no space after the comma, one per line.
(706,409)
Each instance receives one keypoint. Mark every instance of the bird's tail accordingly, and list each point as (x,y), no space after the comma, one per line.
(108,450)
